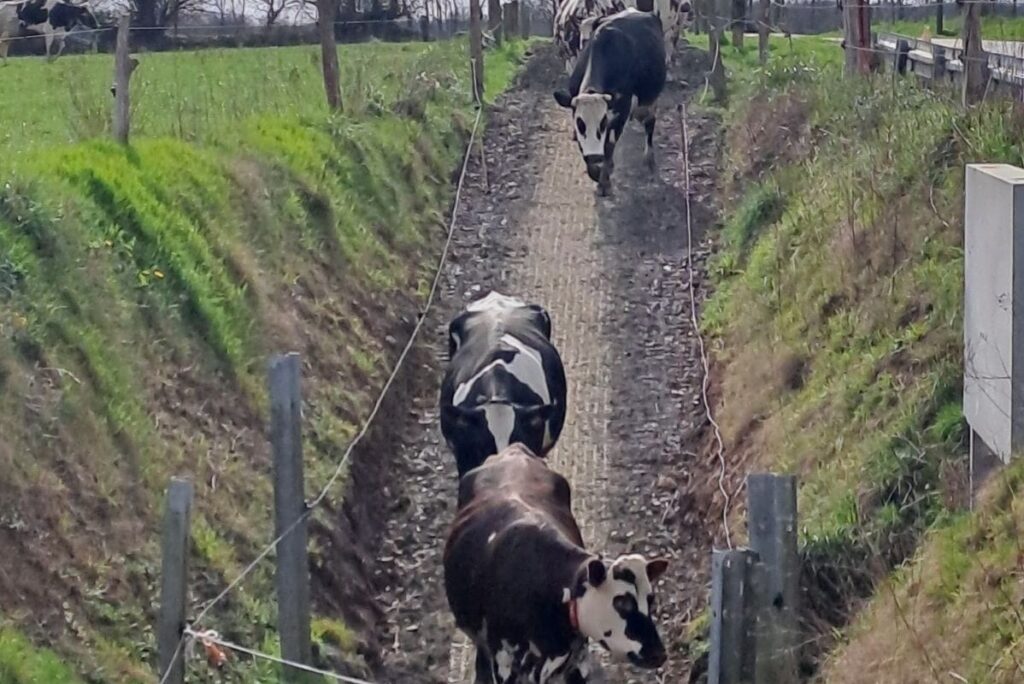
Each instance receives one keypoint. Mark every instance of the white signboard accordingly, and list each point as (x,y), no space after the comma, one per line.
(993,272)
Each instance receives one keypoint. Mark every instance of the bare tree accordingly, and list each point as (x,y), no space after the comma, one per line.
(228,12)
(273,9)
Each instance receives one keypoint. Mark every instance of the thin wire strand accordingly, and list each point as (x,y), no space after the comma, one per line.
(209,638)
(705,366)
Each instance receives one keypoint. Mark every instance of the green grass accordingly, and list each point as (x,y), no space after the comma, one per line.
(992,28)
(838,296)
(143,288)
(799,57)
(958,601)
(199,95)
(22,663)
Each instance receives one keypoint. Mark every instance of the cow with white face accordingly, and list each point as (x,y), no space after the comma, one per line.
(620,74)
(505,381)
(525,590)
(53,19)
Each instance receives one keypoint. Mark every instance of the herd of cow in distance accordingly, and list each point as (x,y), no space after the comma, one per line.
(519,580)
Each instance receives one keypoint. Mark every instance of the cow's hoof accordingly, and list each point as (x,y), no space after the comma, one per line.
(604,190)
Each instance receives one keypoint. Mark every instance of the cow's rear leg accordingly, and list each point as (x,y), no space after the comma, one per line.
(60,48)
(649,122)
(484,668)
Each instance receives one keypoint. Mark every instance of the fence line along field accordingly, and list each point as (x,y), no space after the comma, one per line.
(203,95)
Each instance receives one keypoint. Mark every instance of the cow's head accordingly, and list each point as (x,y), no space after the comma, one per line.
(476,433)
(81,15)
(614,606)
(591,121)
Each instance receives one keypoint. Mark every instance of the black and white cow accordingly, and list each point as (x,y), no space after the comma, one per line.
(53,19)
(621,73)
(576,21)
(505,381)
(525,590)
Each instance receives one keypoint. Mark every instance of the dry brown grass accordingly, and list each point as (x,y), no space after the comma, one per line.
(954,613)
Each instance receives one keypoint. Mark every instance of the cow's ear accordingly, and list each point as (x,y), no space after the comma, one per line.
(536,416)
(462,417)
(656,568)
(544,317)
(607,97)
(563,98)
(596,572)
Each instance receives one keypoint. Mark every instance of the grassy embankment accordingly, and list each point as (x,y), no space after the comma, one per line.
(837,320)
(142,290)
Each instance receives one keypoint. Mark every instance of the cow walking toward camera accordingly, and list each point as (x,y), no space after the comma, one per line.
(524,589)
(620,74)
(505,381)
(53,19)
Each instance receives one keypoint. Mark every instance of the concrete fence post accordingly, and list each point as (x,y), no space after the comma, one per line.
(772,525)
(173,581)
(735,608)
(293,619)
(993,318)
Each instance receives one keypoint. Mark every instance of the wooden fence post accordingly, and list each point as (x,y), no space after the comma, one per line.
(938,63)
(124,66)
(494,20)
(510,19)
(739,22)
(901,57)
(289,506)
(524,20)
(734,616)
(772,525)
(476,50)
(326,11)
(717,75)
(762,31)
(173,578)
(973,57)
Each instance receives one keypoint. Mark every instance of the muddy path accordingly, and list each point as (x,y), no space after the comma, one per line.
(613,275)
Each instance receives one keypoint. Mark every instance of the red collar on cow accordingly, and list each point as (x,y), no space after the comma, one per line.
(574,617)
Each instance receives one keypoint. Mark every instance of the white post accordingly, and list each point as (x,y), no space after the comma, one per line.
(993,316)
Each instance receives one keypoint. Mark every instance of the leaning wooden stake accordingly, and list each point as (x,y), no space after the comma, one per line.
(772,525)
(173,578)
(293,621)
(124,66)
(476,50)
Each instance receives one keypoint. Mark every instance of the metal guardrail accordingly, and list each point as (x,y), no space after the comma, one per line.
(935,57)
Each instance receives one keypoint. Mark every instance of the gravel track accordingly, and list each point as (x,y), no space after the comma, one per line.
(613,275)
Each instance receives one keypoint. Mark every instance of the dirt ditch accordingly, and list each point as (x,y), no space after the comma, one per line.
(613,274)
